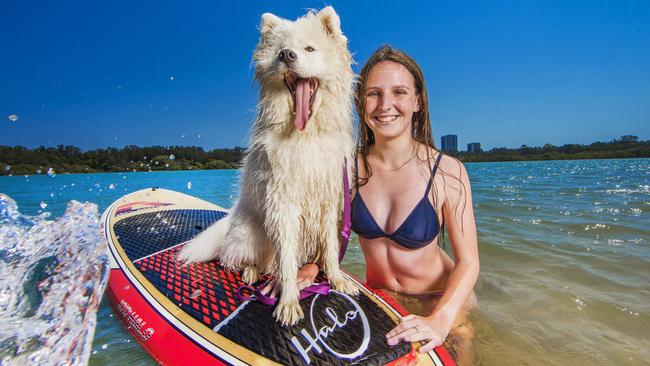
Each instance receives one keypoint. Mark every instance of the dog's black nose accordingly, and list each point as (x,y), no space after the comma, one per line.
(287,56)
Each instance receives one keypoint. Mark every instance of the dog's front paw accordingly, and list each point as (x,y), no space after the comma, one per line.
(288,313)
(344,286)
(250,274)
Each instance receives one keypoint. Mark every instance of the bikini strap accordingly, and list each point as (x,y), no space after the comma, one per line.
(433,173)
(356,170)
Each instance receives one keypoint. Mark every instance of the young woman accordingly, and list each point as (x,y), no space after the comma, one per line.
(405,191)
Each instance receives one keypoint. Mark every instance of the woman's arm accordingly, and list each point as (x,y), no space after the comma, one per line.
(461,228)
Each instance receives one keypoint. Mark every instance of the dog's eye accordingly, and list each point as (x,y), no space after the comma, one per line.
(310,49)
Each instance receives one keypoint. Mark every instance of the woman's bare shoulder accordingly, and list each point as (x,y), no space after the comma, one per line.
(452,174)
(452,166)
(449,165)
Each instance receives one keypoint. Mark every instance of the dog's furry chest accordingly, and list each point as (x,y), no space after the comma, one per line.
(307,166)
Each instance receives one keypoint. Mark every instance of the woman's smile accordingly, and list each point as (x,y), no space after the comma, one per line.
(386,119)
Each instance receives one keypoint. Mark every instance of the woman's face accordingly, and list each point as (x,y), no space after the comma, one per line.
(391,100)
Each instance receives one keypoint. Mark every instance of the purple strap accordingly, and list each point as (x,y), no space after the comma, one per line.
(345,231)
(322,288)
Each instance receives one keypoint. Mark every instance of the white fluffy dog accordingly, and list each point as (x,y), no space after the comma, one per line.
(291,198)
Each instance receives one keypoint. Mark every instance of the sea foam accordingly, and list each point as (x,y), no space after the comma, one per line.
(53,276)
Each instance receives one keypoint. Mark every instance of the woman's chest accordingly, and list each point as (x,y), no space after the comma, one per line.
(391,200)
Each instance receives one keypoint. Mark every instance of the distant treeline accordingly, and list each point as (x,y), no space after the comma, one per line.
(70,159)
(16,160)
(616,149)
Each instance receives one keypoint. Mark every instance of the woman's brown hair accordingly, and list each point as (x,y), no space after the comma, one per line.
(420,124)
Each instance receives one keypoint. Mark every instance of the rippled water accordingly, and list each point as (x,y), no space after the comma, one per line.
(565,262)
(564,245)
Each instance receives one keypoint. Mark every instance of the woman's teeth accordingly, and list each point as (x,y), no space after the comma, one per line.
(386,118)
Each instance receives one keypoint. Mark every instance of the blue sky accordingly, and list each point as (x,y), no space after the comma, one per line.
(503,73)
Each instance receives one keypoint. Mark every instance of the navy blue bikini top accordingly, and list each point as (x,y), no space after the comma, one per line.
(418,230)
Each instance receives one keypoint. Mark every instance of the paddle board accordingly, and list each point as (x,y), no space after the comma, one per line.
(192,315)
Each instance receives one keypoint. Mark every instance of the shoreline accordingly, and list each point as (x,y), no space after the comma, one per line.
(18,160)
(61,170)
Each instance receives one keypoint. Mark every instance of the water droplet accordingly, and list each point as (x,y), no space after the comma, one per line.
(104,346)
(172,157)
(189,185)
(111,186)
(43,205)
(13,117)
(171,78)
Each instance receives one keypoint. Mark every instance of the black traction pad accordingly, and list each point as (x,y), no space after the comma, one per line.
(336,329)
(148,233)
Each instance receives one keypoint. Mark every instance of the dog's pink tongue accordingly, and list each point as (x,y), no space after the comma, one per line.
(302,103)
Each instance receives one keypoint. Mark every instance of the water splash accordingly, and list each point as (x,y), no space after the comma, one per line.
(53,276)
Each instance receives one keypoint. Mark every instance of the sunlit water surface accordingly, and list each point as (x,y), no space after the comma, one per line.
(565,257)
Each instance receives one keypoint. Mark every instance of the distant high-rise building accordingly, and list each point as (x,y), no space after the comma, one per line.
(449,143)
(474,147)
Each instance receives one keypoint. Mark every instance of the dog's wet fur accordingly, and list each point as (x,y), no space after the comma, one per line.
(291,194)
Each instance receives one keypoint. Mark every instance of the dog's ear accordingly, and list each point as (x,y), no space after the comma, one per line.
(269,22)
(330,20)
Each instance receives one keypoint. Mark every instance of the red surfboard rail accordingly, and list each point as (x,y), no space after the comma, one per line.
(155,334)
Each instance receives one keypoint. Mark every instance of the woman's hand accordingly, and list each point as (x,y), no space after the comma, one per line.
(306,276)
(432,329)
